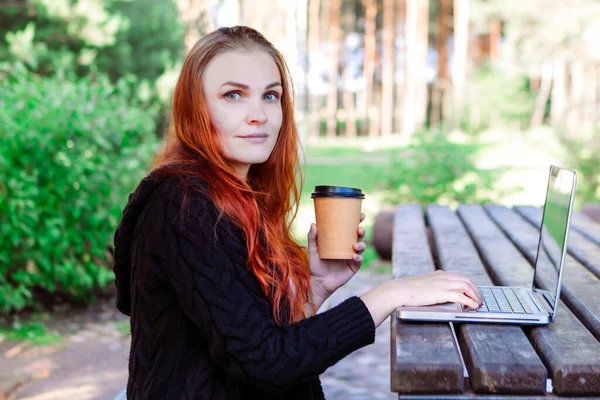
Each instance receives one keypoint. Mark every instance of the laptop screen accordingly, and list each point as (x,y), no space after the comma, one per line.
(553,235)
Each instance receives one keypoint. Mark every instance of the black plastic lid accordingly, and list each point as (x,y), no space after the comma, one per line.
(337,191)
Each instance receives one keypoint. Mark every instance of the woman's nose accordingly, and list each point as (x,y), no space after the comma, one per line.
(256,113)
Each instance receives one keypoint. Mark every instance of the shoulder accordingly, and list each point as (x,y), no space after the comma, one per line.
(187,207)
(181,198)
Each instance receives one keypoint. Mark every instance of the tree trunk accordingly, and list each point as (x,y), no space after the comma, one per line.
(442,38)
(349,108)
(574,115)
(590,107)
(558,92)
(369,64)
(410,33)
(543,94)
(439,90)
(436,104)
(349,103)
(422,62)
(334,62)
(460,58)
(597,107)
(196,18)
(302,70)
(415,105)
(595,87)
(389,33)
(401,51)
(313,50)
(495,36)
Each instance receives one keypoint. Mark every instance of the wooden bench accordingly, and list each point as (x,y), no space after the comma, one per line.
(496,245)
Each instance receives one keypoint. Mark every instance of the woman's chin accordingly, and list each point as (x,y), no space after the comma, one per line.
(253,159)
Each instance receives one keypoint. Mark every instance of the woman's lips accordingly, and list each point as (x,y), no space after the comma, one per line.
(255,137)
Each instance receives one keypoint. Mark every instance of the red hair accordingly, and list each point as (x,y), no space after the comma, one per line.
(265,205)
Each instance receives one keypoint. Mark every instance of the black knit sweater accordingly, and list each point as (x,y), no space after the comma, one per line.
(201,327)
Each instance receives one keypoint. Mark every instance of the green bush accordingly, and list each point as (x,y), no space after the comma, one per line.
(583,154)
(70,152)
(435,169)
(494,98)
(105,36)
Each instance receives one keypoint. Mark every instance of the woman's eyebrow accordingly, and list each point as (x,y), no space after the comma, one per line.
(272,85)
(246,87)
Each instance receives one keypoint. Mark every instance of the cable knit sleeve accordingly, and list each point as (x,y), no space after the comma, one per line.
(205,267)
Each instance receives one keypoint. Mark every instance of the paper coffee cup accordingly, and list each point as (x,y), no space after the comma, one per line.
(337,210)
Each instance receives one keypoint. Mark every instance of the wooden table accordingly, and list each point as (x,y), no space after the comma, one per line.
(496,245)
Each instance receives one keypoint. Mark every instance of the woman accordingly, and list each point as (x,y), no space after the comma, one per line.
(221,297)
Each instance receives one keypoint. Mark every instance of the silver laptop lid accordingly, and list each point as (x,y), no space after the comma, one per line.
(552,246)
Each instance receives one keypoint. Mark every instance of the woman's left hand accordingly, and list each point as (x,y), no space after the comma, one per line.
(328,275)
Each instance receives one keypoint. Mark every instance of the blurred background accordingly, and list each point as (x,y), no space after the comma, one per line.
(413,101)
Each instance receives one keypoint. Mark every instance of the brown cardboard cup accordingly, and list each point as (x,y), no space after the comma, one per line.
(337,210)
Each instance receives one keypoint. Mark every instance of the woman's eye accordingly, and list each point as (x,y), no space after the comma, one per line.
(232,95)
(271,96)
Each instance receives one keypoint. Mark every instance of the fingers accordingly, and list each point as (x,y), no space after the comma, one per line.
(356,262)
(457,297)
(361,233)
(362,217)
(312,232)
(359,247)
(312,239)
(464,287)
(454,277)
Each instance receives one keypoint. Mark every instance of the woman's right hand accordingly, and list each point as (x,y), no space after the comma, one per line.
(421,290)
(438,287)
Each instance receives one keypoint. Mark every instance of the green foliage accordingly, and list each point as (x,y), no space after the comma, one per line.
(70,152)
(94,36)
(146,46)
(494,98)
(53,35)
(534,33)
(358,175)
(435,169)
(34,332)
(583,149)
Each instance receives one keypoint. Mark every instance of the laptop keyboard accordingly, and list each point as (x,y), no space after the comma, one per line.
(503,300)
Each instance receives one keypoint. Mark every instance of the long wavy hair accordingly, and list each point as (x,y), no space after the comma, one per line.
(266,204)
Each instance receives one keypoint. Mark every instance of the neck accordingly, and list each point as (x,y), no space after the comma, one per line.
(242,170)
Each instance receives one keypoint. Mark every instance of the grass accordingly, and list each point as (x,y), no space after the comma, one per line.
(342,150)
(527,156)
(123,327)
(34,332)
(369,178)
(363,176)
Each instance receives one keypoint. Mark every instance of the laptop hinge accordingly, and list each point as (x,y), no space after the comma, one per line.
(545,298)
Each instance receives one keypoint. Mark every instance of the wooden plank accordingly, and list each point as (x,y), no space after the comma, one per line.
(504,262)
(411,254)
(499,358)
(424,357)
(587,227)
(580,286)
(456,251)
(579,246)
(470,395)
(568,349)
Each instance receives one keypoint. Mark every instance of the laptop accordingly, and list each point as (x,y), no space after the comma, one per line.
(521,305)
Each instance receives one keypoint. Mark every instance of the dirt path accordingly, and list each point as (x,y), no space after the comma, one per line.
(90,361)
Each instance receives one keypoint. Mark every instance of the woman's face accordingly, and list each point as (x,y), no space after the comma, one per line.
(243,93)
